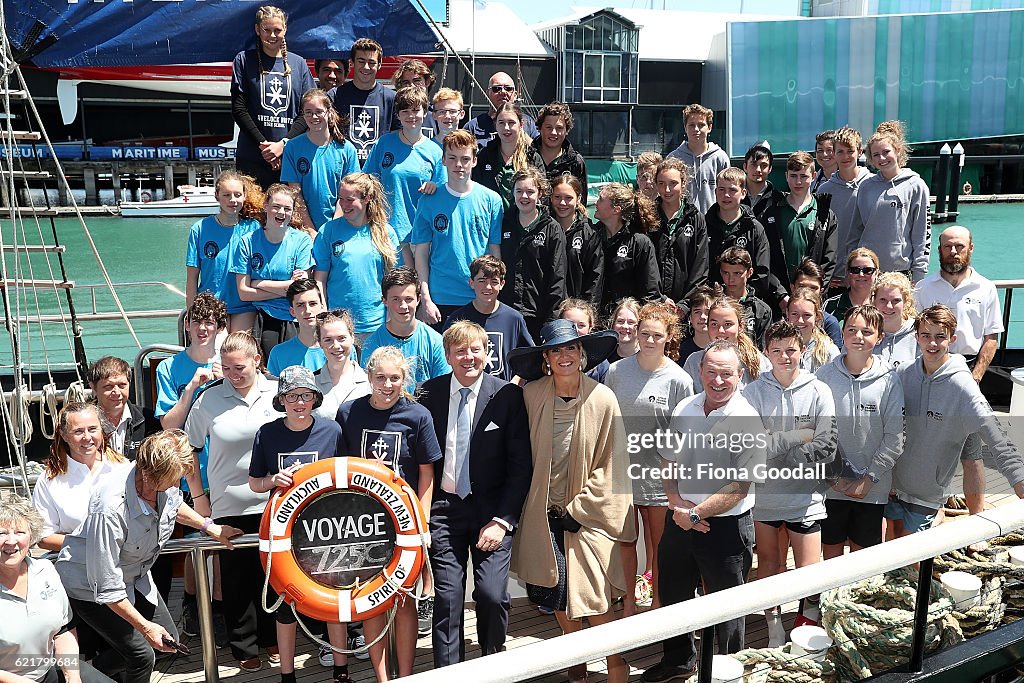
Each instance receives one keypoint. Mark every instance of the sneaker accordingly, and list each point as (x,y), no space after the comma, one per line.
(253,664)
(802,620)
(326,656)
(356,643)
(189,618)
(425,614)
(544,609)
(662,673)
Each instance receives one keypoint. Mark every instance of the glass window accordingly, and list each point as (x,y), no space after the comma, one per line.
(592,68)
(612,70)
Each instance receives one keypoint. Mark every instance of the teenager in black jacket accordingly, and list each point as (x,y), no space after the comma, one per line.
(554,121)
(630,264)
(681,238)
(510,152)
(730,224)
(584,269)
(533,249)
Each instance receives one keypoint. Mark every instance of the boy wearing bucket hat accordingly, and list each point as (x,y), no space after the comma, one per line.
(281,447)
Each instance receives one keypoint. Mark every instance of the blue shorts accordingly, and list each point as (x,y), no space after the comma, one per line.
(914,517)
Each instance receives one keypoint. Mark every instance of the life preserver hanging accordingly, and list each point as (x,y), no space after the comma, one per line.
(145,196)
(344,540)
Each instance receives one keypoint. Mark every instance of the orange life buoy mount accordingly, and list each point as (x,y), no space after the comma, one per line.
(344,540)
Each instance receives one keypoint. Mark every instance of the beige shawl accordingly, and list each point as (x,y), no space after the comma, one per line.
(600,498)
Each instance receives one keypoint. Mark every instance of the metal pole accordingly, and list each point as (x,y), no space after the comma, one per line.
(205,605)
(954,194)
(392,653)
(707,654)
(924,584)
(939,183)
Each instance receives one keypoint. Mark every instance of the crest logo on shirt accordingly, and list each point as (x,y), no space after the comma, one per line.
(364,127)
(302,165)
(658,400)
(338,248)
(741,242)
(970,300)
(897,203)
(488,167)
(688,231)
(440,222)
(623,251)
(276,92)
(868,407)
(770,219)
(211,249)
(539,239)
(382,446)
(936,415)
(181,389)
(495,353)
(750,325)
(506,235)
(577,243)
(256,261)
(388,160)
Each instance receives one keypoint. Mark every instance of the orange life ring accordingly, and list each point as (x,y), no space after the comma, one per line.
(145,196)
(341,600)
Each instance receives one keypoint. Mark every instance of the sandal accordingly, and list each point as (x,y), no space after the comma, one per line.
(643,590)
(342,678)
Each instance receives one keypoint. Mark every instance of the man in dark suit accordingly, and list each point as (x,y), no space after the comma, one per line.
(479,489)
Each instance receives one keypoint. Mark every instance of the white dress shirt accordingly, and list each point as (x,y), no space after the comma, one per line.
(448,474)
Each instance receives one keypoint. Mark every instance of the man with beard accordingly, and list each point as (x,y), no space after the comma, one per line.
(979,322)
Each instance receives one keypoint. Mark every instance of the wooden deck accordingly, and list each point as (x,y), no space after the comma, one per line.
(526,625)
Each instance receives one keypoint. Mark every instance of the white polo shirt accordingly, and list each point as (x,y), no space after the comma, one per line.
(231,422)
(975,303)
(715,449)
(31,623)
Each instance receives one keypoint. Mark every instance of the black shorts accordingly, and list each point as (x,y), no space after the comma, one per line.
(859,522)
(796,527)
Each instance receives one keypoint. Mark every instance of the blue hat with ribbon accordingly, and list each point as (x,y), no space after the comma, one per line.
(527,361)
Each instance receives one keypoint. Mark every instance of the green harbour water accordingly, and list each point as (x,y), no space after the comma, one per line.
(137,250)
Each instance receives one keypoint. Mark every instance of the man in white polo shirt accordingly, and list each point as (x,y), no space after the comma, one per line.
(974,301)
(717,451)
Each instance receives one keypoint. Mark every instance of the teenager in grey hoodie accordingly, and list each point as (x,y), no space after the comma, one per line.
(799,415)
(944,406)
(893,296)
(891,212)
(868,398)
(703,166)
(842,185)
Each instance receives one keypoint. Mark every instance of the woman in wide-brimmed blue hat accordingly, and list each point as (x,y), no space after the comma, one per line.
(579,504)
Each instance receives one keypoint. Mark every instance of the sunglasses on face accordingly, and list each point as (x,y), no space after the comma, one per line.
(863,270)
(499,88)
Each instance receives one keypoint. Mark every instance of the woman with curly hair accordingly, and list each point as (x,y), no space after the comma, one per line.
(630,264)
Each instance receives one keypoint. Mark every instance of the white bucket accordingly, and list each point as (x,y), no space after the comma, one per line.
(964,588)
(725,669)
(1017,555)
(810,642)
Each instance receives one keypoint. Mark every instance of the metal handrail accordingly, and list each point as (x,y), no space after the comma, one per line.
(557,654)
(95,287)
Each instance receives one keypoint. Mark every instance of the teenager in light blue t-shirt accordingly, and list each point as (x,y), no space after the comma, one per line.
(353,252)
(460,222)
(305,303)
(409,167)
(213,240)
(420,345)
(317,161)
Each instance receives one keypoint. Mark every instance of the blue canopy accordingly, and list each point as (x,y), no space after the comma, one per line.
(54,33)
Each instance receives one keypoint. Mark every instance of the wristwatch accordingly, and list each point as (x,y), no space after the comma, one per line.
(694,517)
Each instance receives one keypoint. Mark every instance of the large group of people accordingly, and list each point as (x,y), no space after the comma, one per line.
(442,294)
